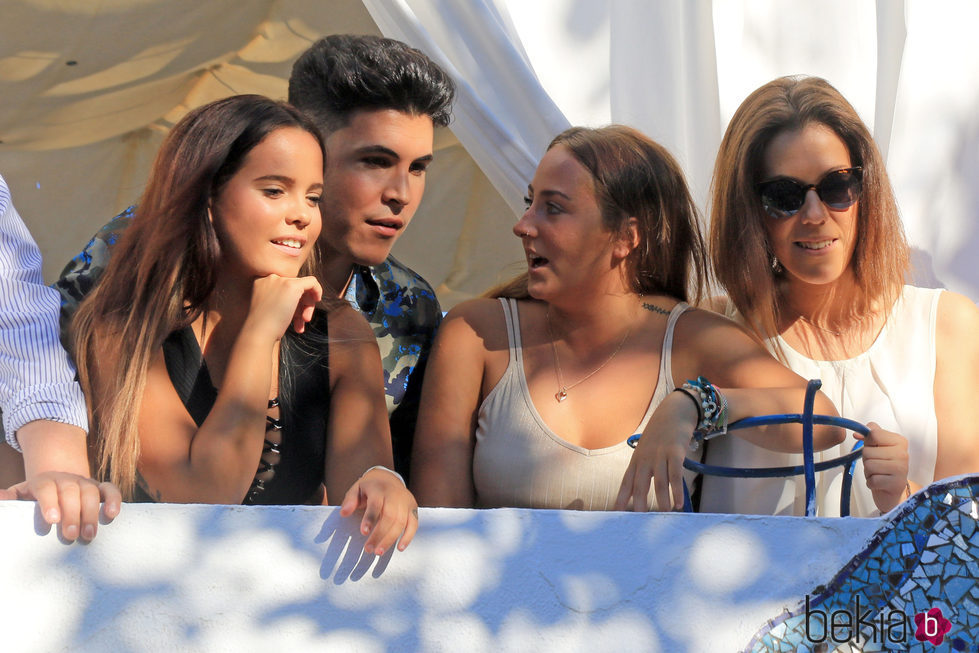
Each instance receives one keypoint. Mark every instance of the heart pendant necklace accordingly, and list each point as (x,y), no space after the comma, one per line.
(562,392)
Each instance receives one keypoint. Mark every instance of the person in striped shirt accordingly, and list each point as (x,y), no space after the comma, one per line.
(41,404)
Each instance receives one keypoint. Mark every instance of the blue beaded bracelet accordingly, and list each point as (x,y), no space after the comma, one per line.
(713,410)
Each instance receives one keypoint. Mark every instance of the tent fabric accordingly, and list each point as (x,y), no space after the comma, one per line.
(87,90)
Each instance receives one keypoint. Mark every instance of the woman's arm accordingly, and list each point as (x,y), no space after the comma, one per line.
(359,438)
(442,458)
(752,381)
(216,463)
(956,383)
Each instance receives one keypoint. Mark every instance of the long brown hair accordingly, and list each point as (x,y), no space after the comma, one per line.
(740,252)
(164,268)
(636,177)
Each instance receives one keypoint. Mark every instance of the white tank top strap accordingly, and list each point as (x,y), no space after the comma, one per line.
(512,320)
(666,360)
(664,384)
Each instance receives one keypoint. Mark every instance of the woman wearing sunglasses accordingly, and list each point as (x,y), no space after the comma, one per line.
(806,239)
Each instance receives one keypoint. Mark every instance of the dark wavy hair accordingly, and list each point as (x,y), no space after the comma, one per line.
(164,268)
(636,177)
(343,73)
(739,247)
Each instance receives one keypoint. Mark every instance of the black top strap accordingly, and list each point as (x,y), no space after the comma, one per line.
(304,396)
(188,373)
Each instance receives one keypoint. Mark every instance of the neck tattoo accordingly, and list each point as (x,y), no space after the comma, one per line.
(563,389)
(655,309)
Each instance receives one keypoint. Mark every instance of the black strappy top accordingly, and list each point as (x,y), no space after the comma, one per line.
(304,406)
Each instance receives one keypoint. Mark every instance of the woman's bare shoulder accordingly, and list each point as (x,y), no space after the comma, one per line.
(705,317)
(478,309)
(705,335)
(956,311)
(957,325)
(482,318)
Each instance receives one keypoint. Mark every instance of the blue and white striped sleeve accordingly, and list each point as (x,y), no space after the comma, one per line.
(37,379)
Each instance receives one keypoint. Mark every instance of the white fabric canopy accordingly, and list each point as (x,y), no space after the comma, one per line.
(677,70)
(88,89)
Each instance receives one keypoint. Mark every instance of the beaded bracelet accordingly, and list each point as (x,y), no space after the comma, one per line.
(713,410)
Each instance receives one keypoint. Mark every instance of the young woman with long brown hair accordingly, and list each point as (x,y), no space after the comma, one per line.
(529,399)
(216,370)
(807,241)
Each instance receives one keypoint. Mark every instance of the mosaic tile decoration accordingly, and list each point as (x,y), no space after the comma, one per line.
(915,587)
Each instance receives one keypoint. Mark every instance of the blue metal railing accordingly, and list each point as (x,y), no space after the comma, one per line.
(808,468)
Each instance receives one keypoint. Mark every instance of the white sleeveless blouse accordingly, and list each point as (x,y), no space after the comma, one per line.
(892,383)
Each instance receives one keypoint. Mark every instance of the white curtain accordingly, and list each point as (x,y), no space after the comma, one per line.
(89,89)
(677,70)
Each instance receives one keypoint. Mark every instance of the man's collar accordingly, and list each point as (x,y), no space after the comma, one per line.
(364,289)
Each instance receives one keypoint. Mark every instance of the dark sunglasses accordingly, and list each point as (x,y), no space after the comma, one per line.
(838,190)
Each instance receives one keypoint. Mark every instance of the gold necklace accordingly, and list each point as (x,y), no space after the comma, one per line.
(562,392)
(821,328)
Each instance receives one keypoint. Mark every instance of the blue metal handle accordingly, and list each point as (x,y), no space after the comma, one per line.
(809,466)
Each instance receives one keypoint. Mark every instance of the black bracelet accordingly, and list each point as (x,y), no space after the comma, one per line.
(700,411)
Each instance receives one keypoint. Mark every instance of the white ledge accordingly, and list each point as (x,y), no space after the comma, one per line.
(236,578)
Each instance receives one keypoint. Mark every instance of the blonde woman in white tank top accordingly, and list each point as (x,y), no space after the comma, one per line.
(529,401)
(806,239)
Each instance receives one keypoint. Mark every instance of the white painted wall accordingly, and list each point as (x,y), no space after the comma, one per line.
(220,578)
